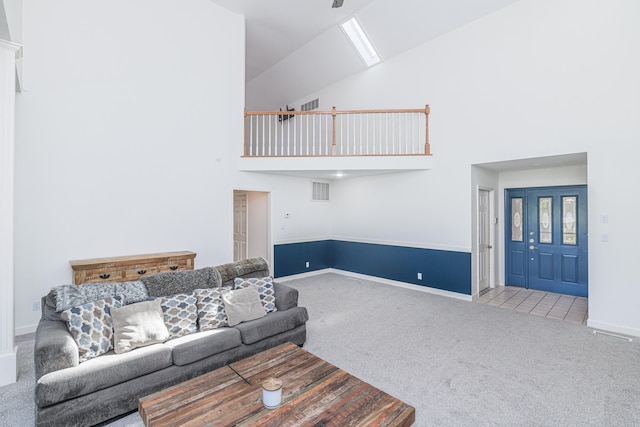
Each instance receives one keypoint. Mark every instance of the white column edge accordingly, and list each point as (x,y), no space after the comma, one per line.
(8,361)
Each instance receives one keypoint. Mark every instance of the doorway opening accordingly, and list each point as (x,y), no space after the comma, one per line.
(485,242)
(251,225)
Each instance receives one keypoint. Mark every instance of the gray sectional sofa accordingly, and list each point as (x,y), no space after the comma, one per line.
(69,392)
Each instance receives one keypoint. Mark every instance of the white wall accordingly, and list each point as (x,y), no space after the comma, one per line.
(128,134)
(538,78)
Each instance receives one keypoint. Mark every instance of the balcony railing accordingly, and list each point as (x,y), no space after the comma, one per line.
(337,133)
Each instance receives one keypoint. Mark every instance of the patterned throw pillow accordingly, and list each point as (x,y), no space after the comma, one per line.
(265,289)
(180,314)
(211,314)
(91,326)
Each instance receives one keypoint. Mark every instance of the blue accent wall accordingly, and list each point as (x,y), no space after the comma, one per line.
(446,270)
(291,258)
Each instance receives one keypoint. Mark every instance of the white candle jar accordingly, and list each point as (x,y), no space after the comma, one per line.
(272,393)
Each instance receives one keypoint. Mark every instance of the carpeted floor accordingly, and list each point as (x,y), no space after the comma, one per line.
(458,363)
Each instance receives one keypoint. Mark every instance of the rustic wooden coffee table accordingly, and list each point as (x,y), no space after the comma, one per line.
(314,393)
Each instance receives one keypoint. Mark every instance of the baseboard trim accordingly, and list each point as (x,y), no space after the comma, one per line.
(411,286)
(303,275)
(610,327)
(8,368)
(24,330)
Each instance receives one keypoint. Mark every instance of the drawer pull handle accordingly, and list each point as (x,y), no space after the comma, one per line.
(141,272)
(105,276)
(173,267)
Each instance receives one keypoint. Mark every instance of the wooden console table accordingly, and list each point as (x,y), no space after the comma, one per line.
(132,267)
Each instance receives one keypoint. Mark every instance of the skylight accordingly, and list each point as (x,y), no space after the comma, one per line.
(360,42)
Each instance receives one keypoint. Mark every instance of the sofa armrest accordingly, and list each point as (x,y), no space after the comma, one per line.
(286,296)
(54,347)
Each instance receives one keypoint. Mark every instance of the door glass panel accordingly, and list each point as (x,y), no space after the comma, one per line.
(516,219)
(544,214)
(569,220)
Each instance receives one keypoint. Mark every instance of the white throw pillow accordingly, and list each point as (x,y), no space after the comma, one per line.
(242,305)
(265,290)
(138,325)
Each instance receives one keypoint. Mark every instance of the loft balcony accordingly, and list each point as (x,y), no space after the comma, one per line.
(334,144)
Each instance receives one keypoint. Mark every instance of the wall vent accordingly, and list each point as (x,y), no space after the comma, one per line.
(311,105)
(320,191)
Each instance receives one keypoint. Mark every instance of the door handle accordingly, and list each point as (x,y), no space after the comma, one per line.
(532,247)
(489,246)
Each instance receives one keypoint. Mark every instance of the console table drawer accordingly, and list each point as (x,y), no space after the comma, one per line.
(138,271)
(107,274)
(127,268)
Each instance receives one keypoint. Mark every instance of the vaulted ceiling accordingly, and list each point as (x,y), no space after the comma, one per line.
(296,47)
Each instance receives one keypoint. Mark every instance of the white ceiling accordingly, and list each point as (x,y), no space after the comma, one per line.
(295,47)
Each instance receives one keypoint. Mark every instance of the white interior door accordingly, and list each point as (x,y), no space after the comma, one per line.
(240,225)
(484,240)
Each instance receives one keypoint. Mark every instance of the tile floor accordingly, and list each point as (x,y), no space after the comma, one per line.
(545,304)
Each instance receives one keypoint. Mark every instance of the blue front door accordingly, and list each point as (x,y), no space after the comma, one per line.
(546,239)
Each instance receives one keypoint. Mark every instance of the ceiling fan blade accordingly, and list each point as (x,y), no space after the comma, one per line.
(337,3)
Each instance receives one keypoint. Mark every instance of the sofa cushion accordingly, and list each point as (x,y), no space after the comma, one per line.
(286,296)
(181,282)
(138,325)
(100,373)
(91,327)
(252,267)
(264,286)
(242,305)
(180,314)
(191,348)
(272,324)
(211,313)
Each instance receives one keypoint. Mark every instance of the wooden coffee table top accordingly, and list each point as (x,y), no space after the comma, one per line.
(314,392)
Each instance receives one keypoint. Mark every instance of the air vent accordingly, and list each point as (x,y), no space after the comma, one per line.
(311,105)
(320,191)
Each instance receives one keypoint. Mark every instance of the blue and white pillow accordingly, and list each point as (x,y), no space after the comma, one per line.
(91,326)
(211,313)
(264,287)
(180,314)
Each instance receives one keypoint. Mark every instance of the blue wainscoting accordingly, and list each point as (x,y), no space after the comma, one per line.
(291,258)
(446,270)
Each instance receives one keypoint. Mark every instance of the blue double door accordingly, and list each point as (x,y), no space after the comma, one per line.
(546,242)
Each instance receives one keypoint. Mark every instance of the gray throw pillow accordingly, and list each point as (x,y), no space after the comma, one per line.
(242,305)
(67,296)
(138,325)
(181,282)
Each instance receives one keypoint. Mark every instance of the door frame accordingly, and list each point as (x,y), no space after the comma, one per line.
(256,211)
(492,239)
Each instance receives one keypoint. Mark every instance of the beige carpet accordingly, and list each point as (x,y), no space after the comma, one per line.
(458,363)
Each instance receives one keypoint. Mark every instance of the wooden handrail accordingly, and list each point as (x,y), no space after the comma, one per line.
(286,115)
(301,113)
